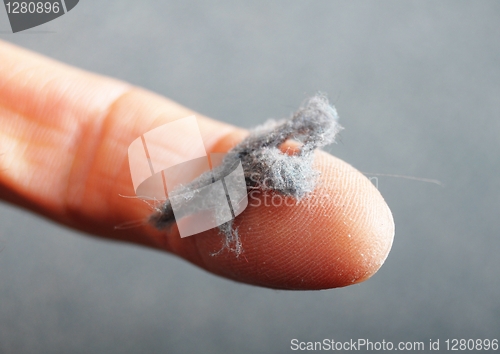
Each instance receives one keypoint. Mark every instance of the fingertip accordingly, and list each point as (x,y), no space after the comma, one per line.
(338,236)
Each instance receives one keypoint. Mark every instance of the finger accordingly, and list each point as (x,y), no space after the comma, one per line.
(64,135)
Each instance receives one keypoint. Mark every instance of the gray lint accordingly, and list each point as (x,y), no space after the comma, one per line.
(266,167)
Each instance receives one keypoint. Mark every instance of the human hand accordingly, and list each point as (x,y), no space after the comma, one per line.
(64,137)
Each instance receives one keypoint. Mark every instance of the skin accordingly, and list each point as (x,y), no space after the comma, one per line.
(64,137)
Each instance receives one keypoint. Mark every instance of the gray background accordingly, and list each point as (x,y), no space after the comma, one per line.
(417,86)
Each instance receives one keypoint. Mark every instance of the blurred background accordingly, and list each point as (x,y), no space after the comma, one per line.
(417,87)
